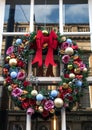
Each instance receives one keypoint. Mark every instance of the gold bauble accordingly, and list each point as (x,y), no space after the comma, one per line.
(40,109)
(63,39)
(72,75)
(70,67)
(9,88)
(69,51)
(4,83)
(38,102)
(85,69)
(7,58)
(58,102)
(52,111)
(34,92)
(13,62)
(45,32)
(65,86)
(77,70)
(75,57)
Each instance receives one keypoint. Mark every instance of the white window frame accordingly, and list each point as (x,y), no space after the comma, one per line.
(2,9)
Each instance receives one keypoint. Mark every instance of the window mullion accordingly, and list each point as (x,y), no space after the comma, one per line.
(90,19)
(2,8)
(61,16)
(32,16)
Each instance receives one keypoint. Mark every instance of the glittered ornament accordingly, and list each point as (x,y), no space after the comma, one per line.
(78,83)
(9,88)
(63,38)
(13,62)
(34,92)
(77,70)
(70,67)
(13,74)
(54,93)
(18,41)
(85,70)
(72,75)
(69,40)
(69,51)
(52,111)
(58,102)
(40,109)
(65,86)
(7,58)
(39,97)
(38,102)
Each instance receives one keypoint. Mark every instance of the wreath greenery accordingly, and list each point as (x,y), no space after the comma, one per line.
(44,102)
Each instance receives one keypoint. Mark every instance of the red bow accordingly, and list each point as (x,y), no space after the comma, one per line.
(52,44)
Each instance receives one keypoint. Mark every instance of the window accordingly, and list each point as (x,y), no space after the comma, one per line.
(13,11)
(49,16)
(19,14)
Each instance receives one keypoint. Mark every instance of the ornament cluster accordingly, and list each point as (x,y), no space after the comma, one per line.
(44,102)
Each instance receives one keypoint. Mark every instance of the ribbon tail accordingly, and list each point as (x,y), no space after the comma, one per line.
(49,58)
(38,57)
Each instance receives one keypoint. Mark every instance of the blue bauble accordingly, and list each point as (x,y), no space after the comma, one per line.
(6,66)
(78,83)
(39,97)
(54,93)
(13,74)
(69,41)
(18,41)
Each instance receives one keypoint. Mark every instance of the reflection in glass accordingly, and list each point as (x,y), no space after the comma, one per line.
(16,17)
(76,18)
(46,15)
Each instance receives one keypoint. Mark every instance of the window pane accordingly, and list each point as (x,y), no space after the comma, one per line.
(17,15)
(48,16)
(76,17)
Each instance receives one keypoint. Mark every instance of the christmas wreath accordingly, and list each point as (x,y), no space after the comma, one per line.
(15,72)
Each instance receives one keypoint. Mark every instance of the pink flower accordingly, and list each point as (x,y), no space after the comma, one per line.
(65,45)
(17,92)
(21,75)
(30,111)
(65,59)
(49,105)
(82,66)
(10,50)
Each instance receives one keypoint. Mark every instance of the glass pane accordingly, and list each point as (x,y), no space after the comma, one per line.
(49,16)
(76,17)
(17,16)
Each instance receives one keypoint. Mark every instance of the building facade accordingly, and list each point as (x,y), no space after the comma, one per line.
(70,18)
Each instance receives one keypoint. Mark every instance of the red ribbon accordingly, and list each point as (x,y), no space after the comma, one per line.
(39,43)
(52,44)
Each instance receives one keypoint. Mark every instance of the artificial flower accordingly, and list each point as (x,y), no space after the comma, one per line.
(64,45)
(30,111)
(49,104)
(10,50)
(21,63)
(65,59)
(21,75)
(26,83)
(17,92)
